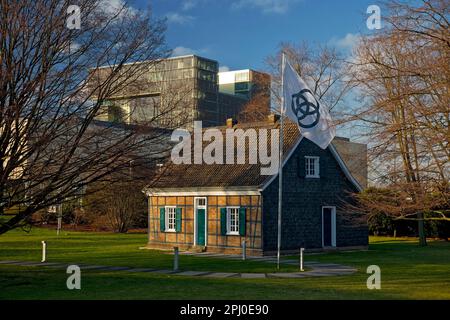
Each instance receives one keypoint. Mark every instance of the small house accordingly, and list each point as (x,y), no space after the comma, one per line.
(215,207)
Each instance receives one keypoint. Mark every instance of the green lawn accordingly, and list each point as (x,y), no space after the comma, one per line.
(407,271)
(111,249)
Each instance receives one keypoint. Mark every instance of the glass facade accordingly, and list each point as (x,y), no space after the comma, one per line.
(207,76)
(242,76)
(208,65)
(242,89)
(246,84)
(175,92)
(144,109)
(114,111)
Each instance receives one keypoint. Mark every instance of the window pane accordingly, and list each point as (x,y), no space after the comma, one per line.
(241,86)
(171,218)
(241,76)
(144,109)
(312,166)
(233,216)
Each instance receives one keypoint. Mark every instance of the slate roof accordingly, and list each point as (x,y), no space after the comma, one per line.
(223,176)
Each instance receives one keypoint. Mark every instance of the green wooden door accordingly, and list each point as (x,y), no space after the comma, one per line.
(201,224)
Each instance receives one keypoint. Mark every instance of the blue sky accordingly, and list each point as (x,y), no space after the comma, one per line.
(241,33)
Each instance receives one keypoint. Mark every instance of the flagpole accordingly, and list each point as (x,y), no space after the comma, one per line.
(280,169)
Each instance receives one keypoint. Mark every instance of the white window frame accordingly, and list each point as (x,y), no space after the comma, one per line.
(229,232)
(166,217)
(316,167)
(333,227)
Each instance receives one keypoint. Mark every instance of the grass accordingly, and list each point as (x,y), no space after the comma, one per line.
(407,271)
(111,249)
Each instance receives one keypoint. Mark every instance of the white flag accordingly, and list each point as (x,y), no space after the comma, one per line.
(302,107)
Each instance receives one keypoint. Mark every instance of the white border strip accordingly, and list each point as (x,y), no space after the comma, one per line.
(203,193)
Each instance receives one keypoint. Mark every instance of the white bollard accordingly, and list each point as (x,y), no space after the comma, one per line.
(244,250)
(59,226)
(44,251)
(175,258)
(301,259)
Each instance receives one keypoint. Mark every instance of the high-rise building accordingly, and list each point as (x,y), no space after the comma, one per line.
(249,85)
(243,83)
(176,91)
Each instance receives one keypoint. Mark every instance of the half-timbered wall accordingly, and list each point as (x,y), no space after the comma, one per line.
(216,241)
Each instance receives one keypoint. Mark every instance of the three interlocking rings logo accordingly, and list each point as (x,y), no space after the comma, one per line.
(305,108)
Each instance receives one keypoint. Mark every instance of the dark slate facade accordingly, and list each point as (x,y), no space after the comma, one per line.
(303,199)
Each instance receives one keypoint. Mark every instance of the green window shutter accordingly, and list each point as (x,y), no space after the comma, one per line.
(162,219)
(178,220)
(242,222)
(223,221)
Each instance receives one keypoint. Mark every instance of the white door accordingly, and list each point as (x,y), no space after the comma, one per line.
(328,227)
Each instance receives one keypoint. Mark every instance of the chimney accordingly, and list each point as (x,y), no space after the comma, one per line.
(273,118)
(231,122)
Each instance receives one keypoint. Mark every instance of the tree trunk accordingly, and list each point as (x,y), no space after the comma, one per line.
(422,236)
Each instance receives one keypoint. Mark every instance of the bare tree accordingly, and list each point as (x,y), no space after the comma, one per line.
(53,84)
(403,74)
(120,200)
(323,68)
(258,107)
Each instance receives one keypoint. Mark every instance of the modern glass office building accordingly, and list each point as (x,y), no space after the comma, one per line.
(175,92)
(243,83)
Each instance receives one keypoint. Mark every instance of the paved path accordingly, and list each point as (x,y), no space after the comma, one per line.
(316,269)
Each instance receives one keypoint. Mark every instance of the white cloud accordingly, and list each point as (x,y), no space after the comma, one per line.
(224,69)
(190,4)
(266,6)
(113,7)
(74,46)
(183,51)
(348,42)
(176,18)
